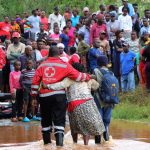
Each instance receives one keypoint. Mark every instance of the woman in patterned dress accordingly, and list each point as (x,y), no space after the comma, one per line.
(84,116)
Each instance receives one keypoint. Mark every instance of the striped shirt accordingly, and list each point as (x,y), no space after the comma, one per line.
(26,77)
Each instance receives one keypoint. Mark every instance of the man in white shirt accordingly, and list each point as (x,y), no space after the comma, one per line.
(35,24)
(125,23)
(56,17)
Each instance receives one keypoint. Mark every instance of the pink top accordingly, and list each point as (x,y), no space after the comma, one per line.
(71,36)
(95,31)
(54,37)
(45,22)
(14,78)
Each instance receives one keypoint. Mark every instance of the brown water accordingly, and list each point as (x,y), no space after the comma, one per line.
(125,132)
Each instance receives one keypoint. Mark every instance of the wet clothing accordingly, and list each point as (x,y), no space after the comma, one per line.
(86,120)
(83,113)
(53,112)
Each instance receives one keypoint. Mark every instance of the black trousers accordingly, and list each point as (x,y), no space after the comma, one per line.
(53,113)
(17,104)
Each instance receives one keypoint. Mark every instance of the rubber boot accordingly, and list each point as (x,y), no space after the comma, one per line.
(46,137)
(97,139)
(59,139)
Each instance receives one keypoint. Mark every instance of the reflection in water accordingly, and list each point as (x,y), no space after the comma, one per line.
(130,130)
(29,132)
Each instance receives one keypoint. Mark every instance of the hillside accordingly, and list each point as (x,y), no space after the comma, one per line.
(11,7)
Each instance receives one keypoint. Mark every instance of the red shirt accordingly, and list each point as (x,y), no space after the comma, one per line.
(45,22)
(74,59)
(44,52)
(95,31)
(5,29)
(2,58)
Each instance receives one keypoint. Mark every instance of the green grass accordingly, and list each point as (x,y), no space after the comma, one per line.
(133,106)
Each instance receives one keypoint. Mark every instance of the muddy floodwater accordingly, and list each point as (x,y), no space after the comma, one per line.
(122,132)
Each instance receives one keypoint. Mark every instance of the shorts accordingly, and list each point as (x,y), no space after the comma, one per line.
(26,93)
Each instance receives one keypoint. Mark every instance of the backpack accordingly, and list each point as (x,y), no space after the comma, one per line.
(109,88)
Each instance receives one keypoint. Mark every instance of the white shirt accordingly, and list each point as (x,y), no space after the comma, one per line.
(38,55)
(125,23)
(56,18)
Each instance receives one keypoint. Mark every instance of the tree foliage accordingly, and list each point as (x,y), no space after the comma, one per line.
(11,7)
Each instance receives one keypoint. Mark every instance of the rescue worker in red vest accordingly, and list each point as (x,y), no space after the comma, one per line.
(53,103)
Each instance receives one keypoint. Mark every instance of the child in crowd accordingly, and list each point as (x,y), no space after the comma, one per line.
(127,60)
(16,92)
(26,81)
(74,57)
(83,49)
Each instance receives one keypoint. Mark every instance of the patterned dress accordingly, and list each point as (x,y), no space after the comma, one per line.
(84,116)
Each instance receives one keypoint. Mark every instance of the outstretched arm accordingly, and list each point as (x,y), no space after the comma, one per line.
(59,85)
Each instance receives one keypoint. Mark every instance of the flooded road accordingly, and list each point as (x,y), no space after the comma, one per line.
(125,135)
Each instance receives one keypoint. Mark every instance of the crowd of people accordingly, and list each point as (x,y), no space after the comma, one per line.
(78,62)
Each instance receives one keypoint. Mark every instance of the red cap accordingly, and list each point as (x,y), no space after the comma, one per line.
(16,34)
(99,16)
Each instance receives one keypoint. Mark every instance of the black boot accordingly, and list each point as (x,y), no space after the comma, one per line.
(46,137)
(59,139)
(97,139)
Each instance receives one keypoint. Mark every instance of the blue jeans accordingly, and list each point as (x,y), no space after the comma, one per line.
(106,113)
(128,82)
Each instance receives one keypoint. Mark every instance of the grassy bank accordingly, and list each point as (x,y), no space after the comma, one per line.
(133,106)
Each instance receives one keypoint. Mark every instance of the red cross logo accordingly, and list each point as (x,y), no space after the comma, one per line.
(49,72)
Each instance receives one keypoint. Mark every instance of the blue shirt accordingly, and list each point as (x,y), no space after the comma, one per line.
(35,22)
(145,30)
(86,33)
(127,62)
(65,40)
(94,53)
(131,9)
(75,20)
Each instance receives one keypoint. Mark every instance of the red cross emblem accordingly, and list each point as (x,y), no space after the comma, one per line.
(49,72)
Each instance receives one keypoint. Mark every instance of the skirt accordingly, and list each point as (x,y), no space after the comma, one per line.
(86,119)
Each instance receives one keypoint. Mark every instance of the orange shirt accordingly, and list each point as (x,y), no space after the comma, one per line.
(15,27)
